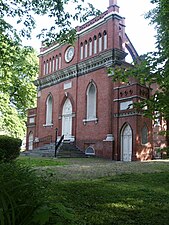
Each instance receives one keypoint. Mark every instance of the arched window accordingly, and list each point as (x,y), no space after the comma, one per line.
(81,51)
(90,47)
(50,65)
(60,61)
(120,43)
(49,110)
(86,49)
(53,64)
(57,63)
(47,67)
(100,42)
(95,44)
(105,40)
(144,135)
(91,102)
(44,68)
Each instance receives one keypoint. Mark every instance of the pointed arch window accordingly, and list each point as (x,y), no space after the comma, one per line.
(95,44)
(47,67)
(50,65)
(105,40)
(81,51)
(44,68)
(53,64)
(60,61)
(57,63)
(91,102)
(100,42)
(49,107)
(86,49)
(90,47)
(120,43)
(144,135)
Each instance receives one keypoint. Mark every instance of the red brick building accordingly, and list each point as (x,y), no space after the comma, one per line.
(77,96)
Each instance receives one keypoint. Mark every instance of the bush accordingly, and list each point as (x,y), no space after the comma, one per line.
(9,148)
(22,198)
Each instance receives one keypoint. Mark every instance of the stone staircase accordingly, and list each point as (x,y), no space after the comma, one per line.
(69,150)
(65,150)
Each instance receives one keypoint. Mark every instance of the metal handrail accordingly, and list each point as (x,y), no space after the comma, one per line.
(57,144)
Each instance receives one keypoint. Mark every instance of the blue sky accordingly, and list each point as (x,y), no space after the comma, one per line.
(140,33)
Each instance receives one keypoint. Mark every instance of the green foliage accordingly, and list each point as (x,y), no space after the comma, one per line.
(21,197)
(9,148)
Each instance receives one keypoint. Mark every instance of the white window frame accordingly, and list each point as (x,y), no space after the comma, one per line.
(91,113)
(86,49)
(81,51)
(57,63)
(100,43)
(49,108)
(105,40)
(90,47)
(95,45)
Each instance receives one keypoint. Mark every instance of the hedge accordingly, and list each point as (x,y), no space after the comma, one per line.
(9,148)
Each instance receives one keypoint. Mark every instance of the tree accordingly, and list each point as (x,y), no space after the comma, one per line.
(154,66)
(18,64)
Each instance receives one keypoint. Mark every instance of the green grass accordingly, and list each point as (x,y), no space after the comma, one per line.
(39,162)
(101,192)
(138,199)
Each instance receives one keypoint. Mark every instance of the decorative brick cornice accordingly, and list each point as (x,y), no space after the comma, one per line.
(102,60)
(126,114)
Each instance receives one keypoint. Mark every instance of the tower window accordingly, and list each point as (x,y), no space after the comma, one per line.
(105,40)
(81,51)
(100,42)
(95,44)
(86,49)
(144,135)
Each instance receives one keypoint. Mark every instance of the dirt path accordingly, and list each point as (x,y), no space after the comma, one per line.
(96,168)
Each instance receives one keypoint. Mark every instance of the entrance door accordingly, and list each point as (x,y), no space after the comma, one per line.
(67,120)
(126,144)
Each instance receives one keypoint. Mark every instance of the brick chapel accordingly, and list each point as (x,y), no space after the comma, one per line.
(76,94)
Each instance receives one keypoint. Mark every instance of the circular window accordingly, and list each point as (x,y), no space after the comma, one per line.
(69,54)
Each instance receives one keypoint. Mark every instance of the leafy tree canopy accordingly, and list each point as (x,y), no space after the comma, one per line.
(18,64)
(153,69)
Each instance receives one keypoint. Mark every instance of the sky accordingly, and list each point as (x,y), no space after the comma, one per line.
(138,29)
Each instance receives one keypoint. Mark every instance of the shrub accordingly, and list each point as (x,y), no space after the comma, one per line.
(22,198)
(9,148)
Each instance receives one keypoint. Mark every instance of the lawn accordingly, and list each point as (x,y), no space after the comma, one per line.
(96,191)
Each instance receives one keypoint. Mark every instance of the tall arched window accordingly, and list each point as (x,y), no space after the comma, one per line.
(81,51)
(86,49)
(57,63)
(50,65)
(91,102)
(49,110)
(53,64)
(95,44)
(60,61)
(105,40)
(144,135)
(44,68)
(47,67)
(90,47)
(120,43)
(100,42)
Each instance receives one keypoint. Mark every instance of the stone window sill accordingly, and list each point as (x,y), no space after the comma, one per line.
(90,120)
